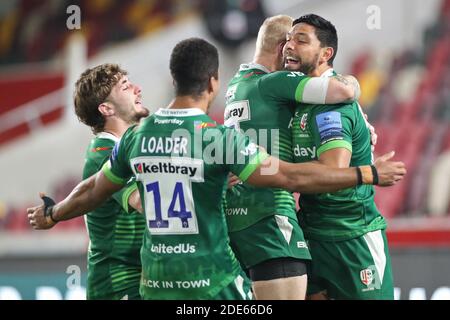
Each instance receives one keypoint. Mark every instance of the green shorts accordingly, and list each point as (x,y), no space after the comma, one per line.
(272,237)
(358,268)
(126,294)
(238,289)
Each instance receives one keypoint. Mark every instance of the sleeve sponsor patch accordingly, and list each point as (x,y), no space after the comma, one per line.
(329,125)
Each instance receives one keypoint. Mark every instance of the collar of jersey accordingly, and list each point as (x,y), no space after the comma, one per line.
(252,65)
(164,112)
(107,135)
(328,73)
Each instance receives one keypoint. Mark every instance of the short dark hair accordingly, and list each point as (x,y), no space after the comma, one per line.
(325,32)
(91,90)
(192,63)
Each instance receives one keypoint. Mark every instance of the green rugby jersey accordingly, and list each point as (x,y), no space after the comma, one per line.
(348,213)
(261,105)
(181,159)
(115,234)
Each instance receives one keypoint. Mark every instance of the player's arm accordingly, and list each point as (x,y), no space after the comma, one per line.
(135,201)
(86,196)
(329,90)
(263,170)
(332,132)
(128,198)
(319,178)
(295,87)
(336,158)
(342,89)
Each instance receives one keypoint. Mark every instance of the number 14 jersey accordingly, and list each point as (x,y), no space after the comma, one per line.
(181,159)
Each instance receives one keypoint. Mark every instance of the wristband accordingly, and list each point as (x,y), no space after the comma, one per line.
(48,208)
(359,175)
(374,174)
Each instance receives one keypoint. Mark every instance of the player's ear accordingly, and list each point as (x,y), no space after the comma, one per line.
(327,53)
(106,109)
(213,85)
(281,47)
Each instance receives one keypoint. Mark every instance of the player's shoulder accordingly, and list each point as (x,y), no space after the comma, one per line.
(102,143)
(98,151)
(283,74)
(247,77)
(206,124)
(125,142)
(279,78)
(336,114)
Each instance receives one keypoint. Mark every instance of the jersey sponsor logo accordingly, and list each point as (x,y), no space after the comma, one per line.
(177,249)
(250,149)
(164,167)
(236,211)
(330,126)
(236,112)
(302,245)
(303,121)
(305,152)
(192,168)
(167,145)
(366,276)
(178,122)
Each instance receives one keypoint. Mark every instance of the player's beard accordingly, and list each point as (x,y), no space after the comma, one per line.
(138,115)
(134,115)
(307,67)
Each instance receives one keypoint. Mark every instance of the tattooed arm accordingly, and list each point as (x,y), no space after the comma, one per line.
(351,81)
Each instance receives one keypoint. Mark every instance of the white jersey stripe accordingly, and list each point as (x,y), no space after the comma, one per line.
(239,283)
(375,243)
(285,227)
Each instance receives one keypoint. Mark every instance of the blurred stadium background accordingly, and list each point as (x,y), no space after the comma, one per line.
(399,50)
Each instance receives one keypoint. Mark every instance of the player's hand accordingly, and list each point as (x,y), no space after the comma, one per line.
(233,180)
(389,172)
(37,217)
(373,134)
